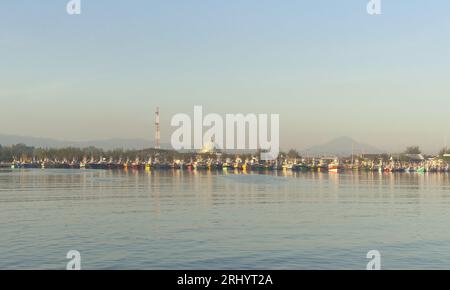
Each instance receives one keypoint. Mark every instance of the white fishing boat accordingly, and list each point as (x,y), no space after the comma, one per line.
(335,166)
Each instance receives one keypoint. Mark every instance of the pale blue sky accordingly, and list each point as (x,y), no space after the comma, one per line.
(327,67)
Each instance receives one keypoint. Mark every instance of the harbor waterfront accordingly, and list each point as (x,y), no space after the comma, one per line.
(203,219)
(208,209)
(211,158)
(324,164)
(218,143)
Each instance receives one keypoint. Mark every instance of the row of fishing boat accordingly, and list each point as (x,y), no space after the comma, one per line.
(331,165)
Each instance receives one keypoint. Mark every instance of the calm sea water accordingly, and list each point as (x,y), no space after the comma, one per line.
(204,220)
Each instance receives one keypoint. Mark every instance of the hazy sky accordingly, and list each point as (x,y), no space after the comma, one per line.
(327,67)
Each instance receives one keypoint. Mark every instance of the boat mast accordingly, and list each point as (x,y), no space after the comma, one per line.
(353,147)
(446,145)
(157,131)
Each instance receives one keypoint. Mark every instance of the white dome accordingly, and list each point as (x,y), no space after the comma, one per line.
(209,147)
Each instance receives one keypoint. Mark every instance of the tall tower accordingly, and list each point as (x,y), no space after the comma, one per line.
(157,130)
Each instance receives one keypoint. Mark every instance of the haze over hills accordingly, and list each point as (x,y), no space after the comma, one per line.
(107,144)
(342,146)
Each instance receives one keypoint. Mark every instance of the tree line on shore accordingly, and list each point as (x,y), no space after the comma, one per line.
(29,153)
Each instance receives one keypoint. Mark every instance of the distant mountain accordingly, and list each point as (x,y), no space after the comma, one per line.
(107,144)
(342,146)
